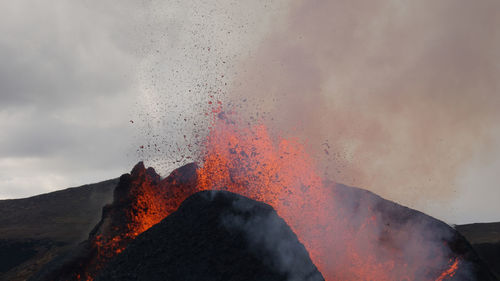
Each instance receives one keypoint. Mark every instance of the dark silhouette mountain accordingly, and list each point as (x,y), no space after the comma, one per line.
(215,235)
(36,229)
(485,239)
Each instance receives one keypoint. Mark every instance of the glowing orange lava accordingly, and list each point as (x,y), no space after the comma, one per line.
(450,272)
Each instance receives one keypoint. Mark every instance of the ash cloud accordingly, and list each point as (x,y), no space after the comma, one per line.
(394,96)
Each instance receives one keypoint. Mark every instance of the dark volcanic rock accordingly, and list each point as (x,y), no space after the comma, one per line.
(490,253)
(215,235)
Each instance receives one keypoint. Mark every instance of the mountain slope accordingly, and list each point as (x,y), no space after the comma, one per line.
(36,229)
(485,239)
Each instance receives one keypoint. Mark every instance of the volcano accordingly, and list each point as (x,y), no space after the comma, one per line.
(142,200)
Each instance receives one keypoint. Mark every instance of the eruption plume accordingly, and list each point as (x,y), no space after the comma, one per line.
(344,243)
(403,95)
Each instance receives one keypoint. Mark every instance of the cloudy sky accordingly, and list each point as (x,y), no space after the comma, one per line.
(404,92)
(84,84)
(66,91)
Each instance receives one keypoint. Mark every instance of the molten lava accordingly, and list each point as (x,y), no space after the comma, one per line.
(450,272)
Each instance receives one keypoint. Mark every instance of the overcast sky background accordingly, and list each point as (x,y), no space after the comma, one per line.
(73,74)
(66,94)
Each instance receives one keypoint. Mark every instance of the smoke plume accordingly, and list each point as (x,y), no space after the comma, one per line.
(394,96)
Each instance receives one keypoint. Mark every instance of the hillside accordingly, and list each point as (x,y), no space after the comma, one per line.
(36,229)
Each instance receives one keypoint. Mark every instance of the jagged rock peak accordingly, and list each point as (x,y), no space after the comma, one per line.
(140,172)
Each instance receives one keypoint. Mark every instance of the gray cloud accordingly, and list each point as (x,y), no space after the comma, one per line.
(59,54)
(67,87)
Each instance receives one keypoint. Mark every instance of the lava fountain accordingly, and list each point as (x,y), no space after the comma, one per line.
(279,172)
(347,240)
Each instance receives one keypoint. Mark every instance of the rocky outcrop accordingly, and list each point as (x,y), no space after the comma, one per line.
(215,235)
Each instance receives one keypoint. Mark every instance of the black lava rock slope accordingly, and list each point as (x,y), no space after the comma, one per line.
(215,235)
